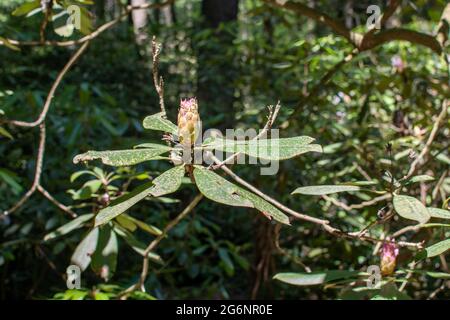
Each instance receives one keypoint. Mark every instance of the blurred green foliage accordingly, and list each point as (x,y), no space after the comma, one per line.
(221,252)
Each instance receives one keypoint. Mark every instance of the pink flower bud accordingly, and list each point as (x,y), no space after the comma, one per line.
(188,121)
(389,252)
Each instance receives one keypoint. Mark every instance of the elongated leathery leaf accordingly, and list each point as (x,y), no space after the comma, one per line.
(411,208)
(166,183)
(218,189)
(264,206)
(157,122)
(104,259)
(325,189)
(269,149)
(315,278)
(122,157)
(85,249)
(68,227)
(435,249)
(439,213)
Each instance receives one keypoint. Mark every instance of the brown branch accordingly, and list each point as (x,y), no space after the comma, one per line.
(426,149)
(363,42)
(361,205)
(390,10)
(92,35)
(385,36)
(320,17)
(325,224)
(36,185)
(51,93)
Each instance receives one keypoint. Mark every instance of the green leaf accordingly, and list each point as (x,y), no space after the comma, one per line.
(324,189)
(5,133)
(421,178)
(269,149)
(78,174)
(411,208)
(121,157)
(226,260)
(104,259)
(265,207)
(439,213)
(9,45)
(142,225)
(157,122)
(123,220)
(26,7)
(435,250)
(166,183)
(443,158)
(68,227)
(135,244)
(218,189)
(11,179)
(314,278)
(85,249)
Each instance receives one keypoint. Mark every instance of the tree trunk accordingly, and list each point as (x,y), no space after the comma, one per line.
(216,67)
(140,19)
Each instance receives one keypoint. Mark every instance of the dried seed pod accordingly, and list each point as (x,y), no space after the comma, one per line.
(188,121)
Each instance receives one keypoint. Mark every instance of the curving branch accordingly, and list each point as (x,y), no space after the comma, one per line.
(369,40)
(92,35)
(51,94)
(318,16)
(400,34)
(325,224)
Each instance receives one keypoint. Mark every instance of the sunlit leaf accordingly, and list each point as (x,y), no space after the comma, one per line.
(26,7)
(439,213)
(157,122)
(83,253)
(70,226)
(421,178)
(324,189)
(104,259)
(121,157)
(314,278)
(435,250)
(166,183)
(218,189)
(268,149)
(411,208)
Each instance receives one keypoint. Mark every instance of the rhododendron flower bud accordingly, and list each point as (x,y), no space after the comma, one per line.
(389,253)
(188,121)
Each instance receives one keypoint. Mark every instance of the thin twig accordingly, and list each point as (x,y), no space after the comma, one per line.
(157,80)
(285,253)
(426,149)
(51,93)
(92,35)
(273,113)
(361,205)
(154,244)
(325,224)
